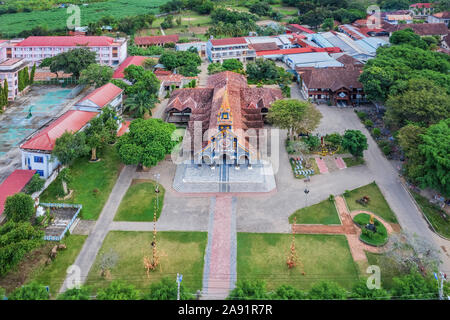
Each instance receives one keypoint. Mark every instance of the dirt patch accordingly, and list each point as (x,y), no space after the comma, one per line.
(189,19)
(396,227)
(32,261)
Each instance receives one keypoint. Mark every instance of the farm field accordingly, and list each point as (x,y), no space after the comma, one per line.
(56,18)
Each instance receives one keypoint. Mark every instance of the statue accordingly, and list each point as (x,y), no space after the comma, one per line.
(371,225)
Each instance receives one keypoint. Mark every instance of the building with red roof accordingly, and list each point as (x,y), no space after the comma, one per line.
(296,28)
(9,70)
(107,95)
(421,9)
(283,52)
(15,183)
(37,149)
(219,50)
(110,51)
(441,17)
(169,80)
(3,44)
(132,60)
(145,42)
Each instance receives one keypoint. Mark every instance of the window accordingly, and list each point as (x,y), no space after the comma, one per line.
(40,172)
(38,159)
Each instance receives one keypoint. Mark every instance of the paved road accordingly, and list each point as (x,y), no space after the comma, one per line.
(95,239)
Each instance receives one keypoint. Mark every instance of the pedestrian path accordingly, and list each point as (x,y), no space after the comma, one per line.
(340,163)
(322,166)
(220,259)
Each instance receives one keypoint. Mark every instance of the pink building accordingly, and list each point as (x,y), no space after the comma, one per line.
(3,44)
(110,51)
(9,69)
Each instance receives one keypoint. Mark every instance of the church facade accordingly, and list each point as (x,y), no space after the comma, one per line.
(223,120)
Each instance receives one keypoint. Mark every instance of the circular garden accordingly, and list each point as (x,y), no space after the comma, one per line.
(375,233)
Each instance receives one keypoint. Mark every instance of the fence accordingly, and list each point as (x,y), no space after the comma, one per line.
(56,81)
(62,205)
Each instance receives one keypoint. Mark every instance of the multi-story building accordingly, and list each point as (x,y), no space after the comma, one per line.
(145,42)
(9,69)
(3,44)
(219,50)
(421,10)
(441,17)
(110,51)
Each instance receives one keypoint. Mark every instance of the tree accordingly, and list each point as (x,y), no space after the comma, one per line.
(328,24)
(414,286)
(16,240)
(96,136)
(315,18)
(108,261)
(166,289)
(334,138)
(233,65)
(409,138)
(355,142)
(5,91)
(327,290)
(33,71)
(19,207)
(249,290)
(287,292)
(31,291)
(310,120)
(436,152)
(150,63)
(376,82)
(261,8)
(412,252)
(147,142)
(118,291)
(96,74)
(262,70)
(140,104)
(289,114)
(82,293)
(36,183)
(73,61)
(69,147)
(361,291)
(65,177)
(423,102)
(215,67)
(142,80)
(407,36)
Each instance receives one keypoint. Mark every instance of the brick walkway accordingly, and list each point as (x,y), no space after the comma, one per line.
(220,264)
(340,163)
(347,228)
(322,166)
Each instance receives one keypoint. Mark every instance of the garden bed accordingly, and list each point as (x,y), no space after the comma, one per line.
(63,215)
(378,238)
(299,169)
(438,219)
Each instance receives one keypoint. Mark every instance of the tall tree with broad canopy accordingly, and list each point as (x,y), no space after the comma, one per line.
(72,61)
(142,80)
(31,291)
(294,115)
(69,147)
(436,151)
(82,293)
(147,142)
(19,207)
(355,142)
(96,74)
(118,291)
(166,289)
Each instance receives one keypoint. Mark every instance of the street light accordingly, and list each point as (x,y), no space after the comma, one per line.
(306,191)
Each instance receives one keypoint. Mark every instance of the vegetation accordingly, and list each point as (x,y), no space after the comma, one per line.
(91,183)
(139,202)
(261,256)
(82,293)
(321,213)
(376,238)
(147,142)
(265,71)
(36,184)
(355,142)
(185,62)
(96,75)
(118,291)
(179,252)
(350,162)
(166,289)
(32,291)
(73,61)
(19,207)
(377,203)
(437,217)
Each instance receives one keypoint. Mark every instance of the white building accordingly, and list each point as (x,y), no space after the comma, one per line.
(441,17)
(219,50)
(110,51)
(312,59)
(9,69)
(200,46)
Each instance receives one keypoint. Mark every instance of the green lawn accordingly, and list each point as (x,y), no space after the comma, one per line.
(389,268)
(180,252)
(139,202)
(321,213)
(324,257)
(377,204)
(92,183)
(53,275)
(377,238)
(352,161)
(434,214)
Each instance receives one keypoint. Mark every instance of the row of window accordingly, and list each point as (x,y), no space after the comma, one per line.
(56,49)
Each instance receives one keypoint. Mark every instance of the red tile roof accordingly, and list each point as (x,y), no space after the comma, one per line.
(422,29)
(1,41)
(266,46)
(14,184)
(103,95)
(132,60)
(442,15)
(301,28)
(66,41)
(72,121)
(156,39)
(124,128)
(421,5)
(299,50)
(228,41)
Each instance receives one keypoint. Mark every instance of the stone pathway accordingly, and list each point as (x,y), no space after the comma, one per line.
(220,259)
(347,228)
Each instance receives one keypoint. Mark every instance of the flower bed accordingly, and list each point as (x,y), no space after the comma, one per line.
(378,238)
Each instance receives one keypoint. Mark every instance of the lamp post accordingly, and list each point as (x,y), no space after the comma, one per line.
(306,191)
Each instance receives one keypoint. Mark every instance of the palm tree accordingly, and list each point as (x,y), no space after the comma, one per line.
(140,104)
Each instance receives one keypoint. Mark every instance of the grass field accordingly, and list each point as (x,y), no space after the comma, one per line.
(321,213)
(56,18)
(139,202)
(378,238)
(180,252)
(389,268)
(377,204)
(54,274)
(352,161)
(324,257)
(434,214)
(87,177)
